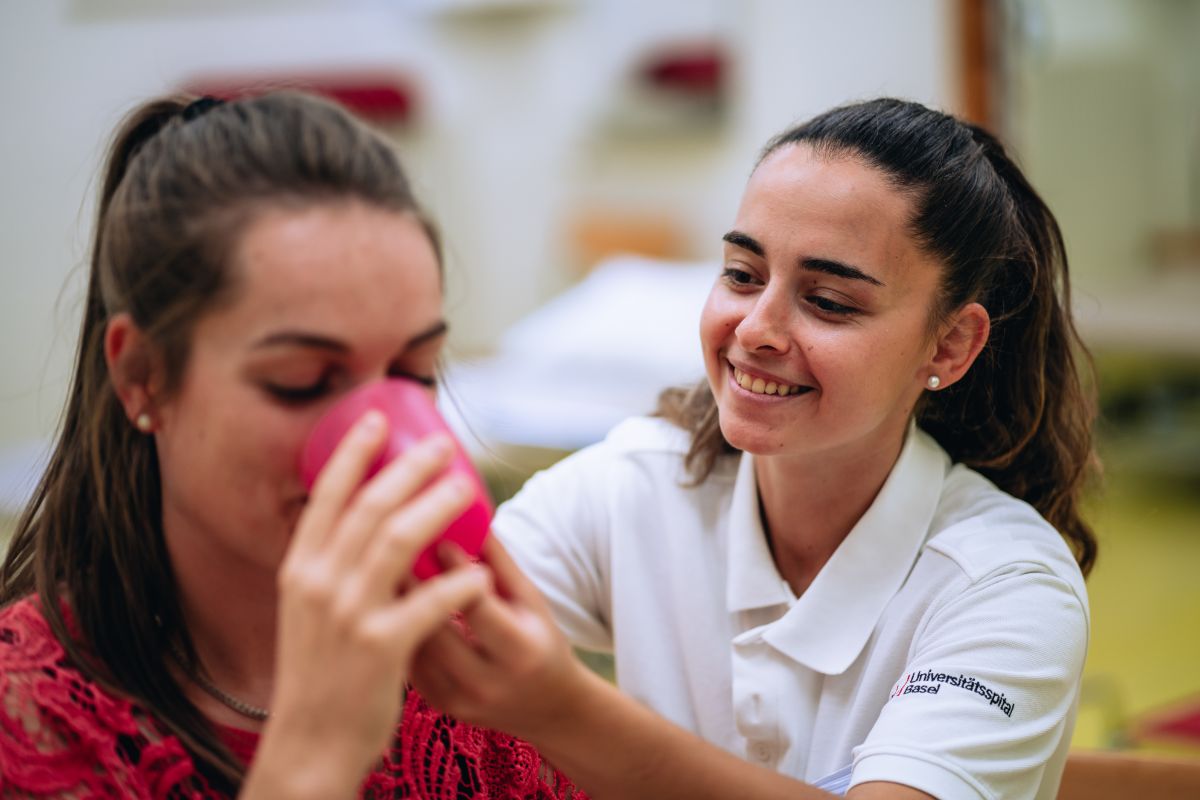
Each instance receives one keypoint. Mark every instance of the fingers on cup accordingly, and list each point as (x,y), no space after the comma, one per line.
(419,614)
(405,533)
(389,492)
(337,482)
(510,580)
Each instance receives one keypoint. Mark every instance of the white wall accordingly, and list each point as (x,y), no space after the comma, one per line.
(505,141)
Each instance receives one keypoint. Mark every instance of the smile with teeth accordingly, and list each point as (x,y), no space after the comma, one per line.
(760,386)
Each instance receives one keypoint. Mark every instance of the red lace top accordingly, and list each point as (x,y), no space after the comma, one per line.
(62,736)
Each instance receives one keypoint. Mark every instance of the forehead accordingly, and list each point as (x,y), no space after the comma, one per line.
(832,205)
(348,270)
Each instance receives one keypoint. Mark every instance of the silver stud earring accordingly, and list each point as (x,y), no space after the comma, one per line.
(933,382)
(144,422)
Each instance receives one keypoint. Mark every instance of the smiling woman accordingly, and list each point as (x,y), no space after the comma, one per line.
(853,556)
(180,616)
(820,256)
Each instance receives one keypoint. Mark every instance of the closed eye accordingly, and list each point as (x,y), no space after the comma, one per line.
(737,277)
(827,306)
(428,381)
(297,395)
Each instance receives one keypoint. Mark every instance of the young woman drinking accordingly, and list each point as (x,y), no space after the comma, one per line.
(181,618)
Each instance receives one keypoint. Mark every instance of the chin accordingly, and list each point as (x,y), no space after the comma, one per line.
(753,439)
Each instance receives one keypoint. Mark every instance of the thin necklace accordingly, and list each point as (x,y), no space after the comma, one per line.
(257,713)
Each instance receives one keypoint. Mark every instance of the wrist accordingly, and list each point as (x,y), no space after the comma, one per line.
(286,769)
(581,692)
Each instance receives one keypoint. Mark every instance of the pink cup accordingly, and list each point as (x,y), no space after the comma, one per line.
(411,416)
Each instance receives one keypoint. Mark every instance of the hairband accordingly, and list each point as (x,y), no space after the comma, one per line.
(200,106)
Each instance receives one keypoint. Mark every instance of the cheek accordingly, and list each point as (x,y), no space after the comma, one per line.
(246,442)
(873,366)
(271,437)
(718,320)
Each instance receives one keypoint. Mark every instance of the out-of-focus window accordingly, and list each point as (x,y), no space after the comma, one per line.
(1100,100)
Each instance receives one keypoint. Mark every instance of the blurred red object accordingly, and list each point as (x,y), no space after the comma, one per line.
(1178,723)
(695,70)
(378,98)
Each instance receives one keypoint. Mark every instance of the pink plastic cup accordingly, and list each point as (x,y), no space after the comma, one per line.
(411,416)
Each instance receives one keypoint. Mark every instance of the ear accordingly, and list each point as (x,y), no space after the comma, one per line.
(131,368)
(959,343)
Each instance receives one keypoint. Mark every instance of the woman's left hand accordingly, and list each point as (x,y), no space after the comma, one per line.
(504,664)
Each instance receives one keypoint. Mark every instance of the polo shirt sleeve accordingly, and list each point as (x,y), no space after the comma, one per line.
(556,528)
(989,691)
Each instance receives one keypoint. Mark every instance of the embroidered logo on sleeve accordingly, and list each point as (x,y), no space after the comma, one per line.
(930,682)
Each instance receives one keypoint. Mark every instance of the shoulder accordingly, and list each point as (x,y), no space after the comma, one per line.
(990,633)
(985,542)
(60,732)
(638,440)
(647,435)
(648,446)
(641,460)
(26,640)
(982,528)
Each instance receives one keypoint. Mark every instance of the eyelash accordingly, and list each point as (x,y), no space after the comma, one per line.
(739,278)
(736,277)
(298,395)
(428,381)
(828,306)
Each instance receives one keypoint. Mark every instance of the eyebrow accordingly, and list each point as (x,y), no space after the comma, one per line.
(746,242)
(316,341)
(838,269)
(826,265)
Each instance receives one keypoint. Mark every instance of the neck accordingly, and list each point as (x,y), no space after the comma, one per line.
(810,504)
(229,607)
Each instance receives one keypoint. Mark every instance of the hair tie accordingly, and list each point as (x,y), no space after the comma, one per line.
(200,106)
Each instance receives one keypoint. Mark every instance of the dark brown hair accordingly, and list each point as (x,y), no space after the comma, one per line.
(181,183)
(1023,414)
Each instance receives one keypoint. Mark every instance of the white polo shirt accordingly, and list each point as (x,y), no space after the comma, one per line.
(940,647)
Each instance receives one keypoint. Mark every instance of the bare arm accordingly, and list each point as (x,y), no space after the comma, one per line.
(616,748)
(515,672)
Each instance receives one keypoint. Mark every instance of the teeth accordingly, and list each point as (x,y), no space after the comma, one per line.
(760,386)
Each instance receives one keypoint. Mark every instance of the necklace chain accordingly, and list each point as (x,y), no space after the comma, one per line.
(232,703)
(257,713)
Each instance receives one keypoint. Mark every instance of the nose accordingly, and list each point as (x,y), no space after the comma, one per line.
(765,328)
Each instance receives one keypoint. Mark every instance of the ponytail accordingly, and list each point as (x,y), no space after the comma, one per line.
(1022,415)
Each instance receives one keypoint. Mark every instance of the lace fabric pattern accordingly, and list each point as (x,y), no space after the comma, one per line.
(61,736)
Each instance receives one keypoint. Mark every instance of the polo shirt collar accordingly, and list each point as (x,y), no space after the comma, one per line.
(829,625)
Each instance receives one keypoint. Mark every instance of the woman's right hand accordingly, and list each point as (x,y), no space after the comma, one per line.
(345,634)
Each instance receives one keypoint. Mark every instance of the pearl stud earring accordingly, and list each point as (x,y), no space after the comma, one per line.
(933,382)
(144,423)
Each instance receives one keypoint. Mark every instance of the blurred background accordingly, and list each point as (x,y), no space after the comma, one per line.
(583,158)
